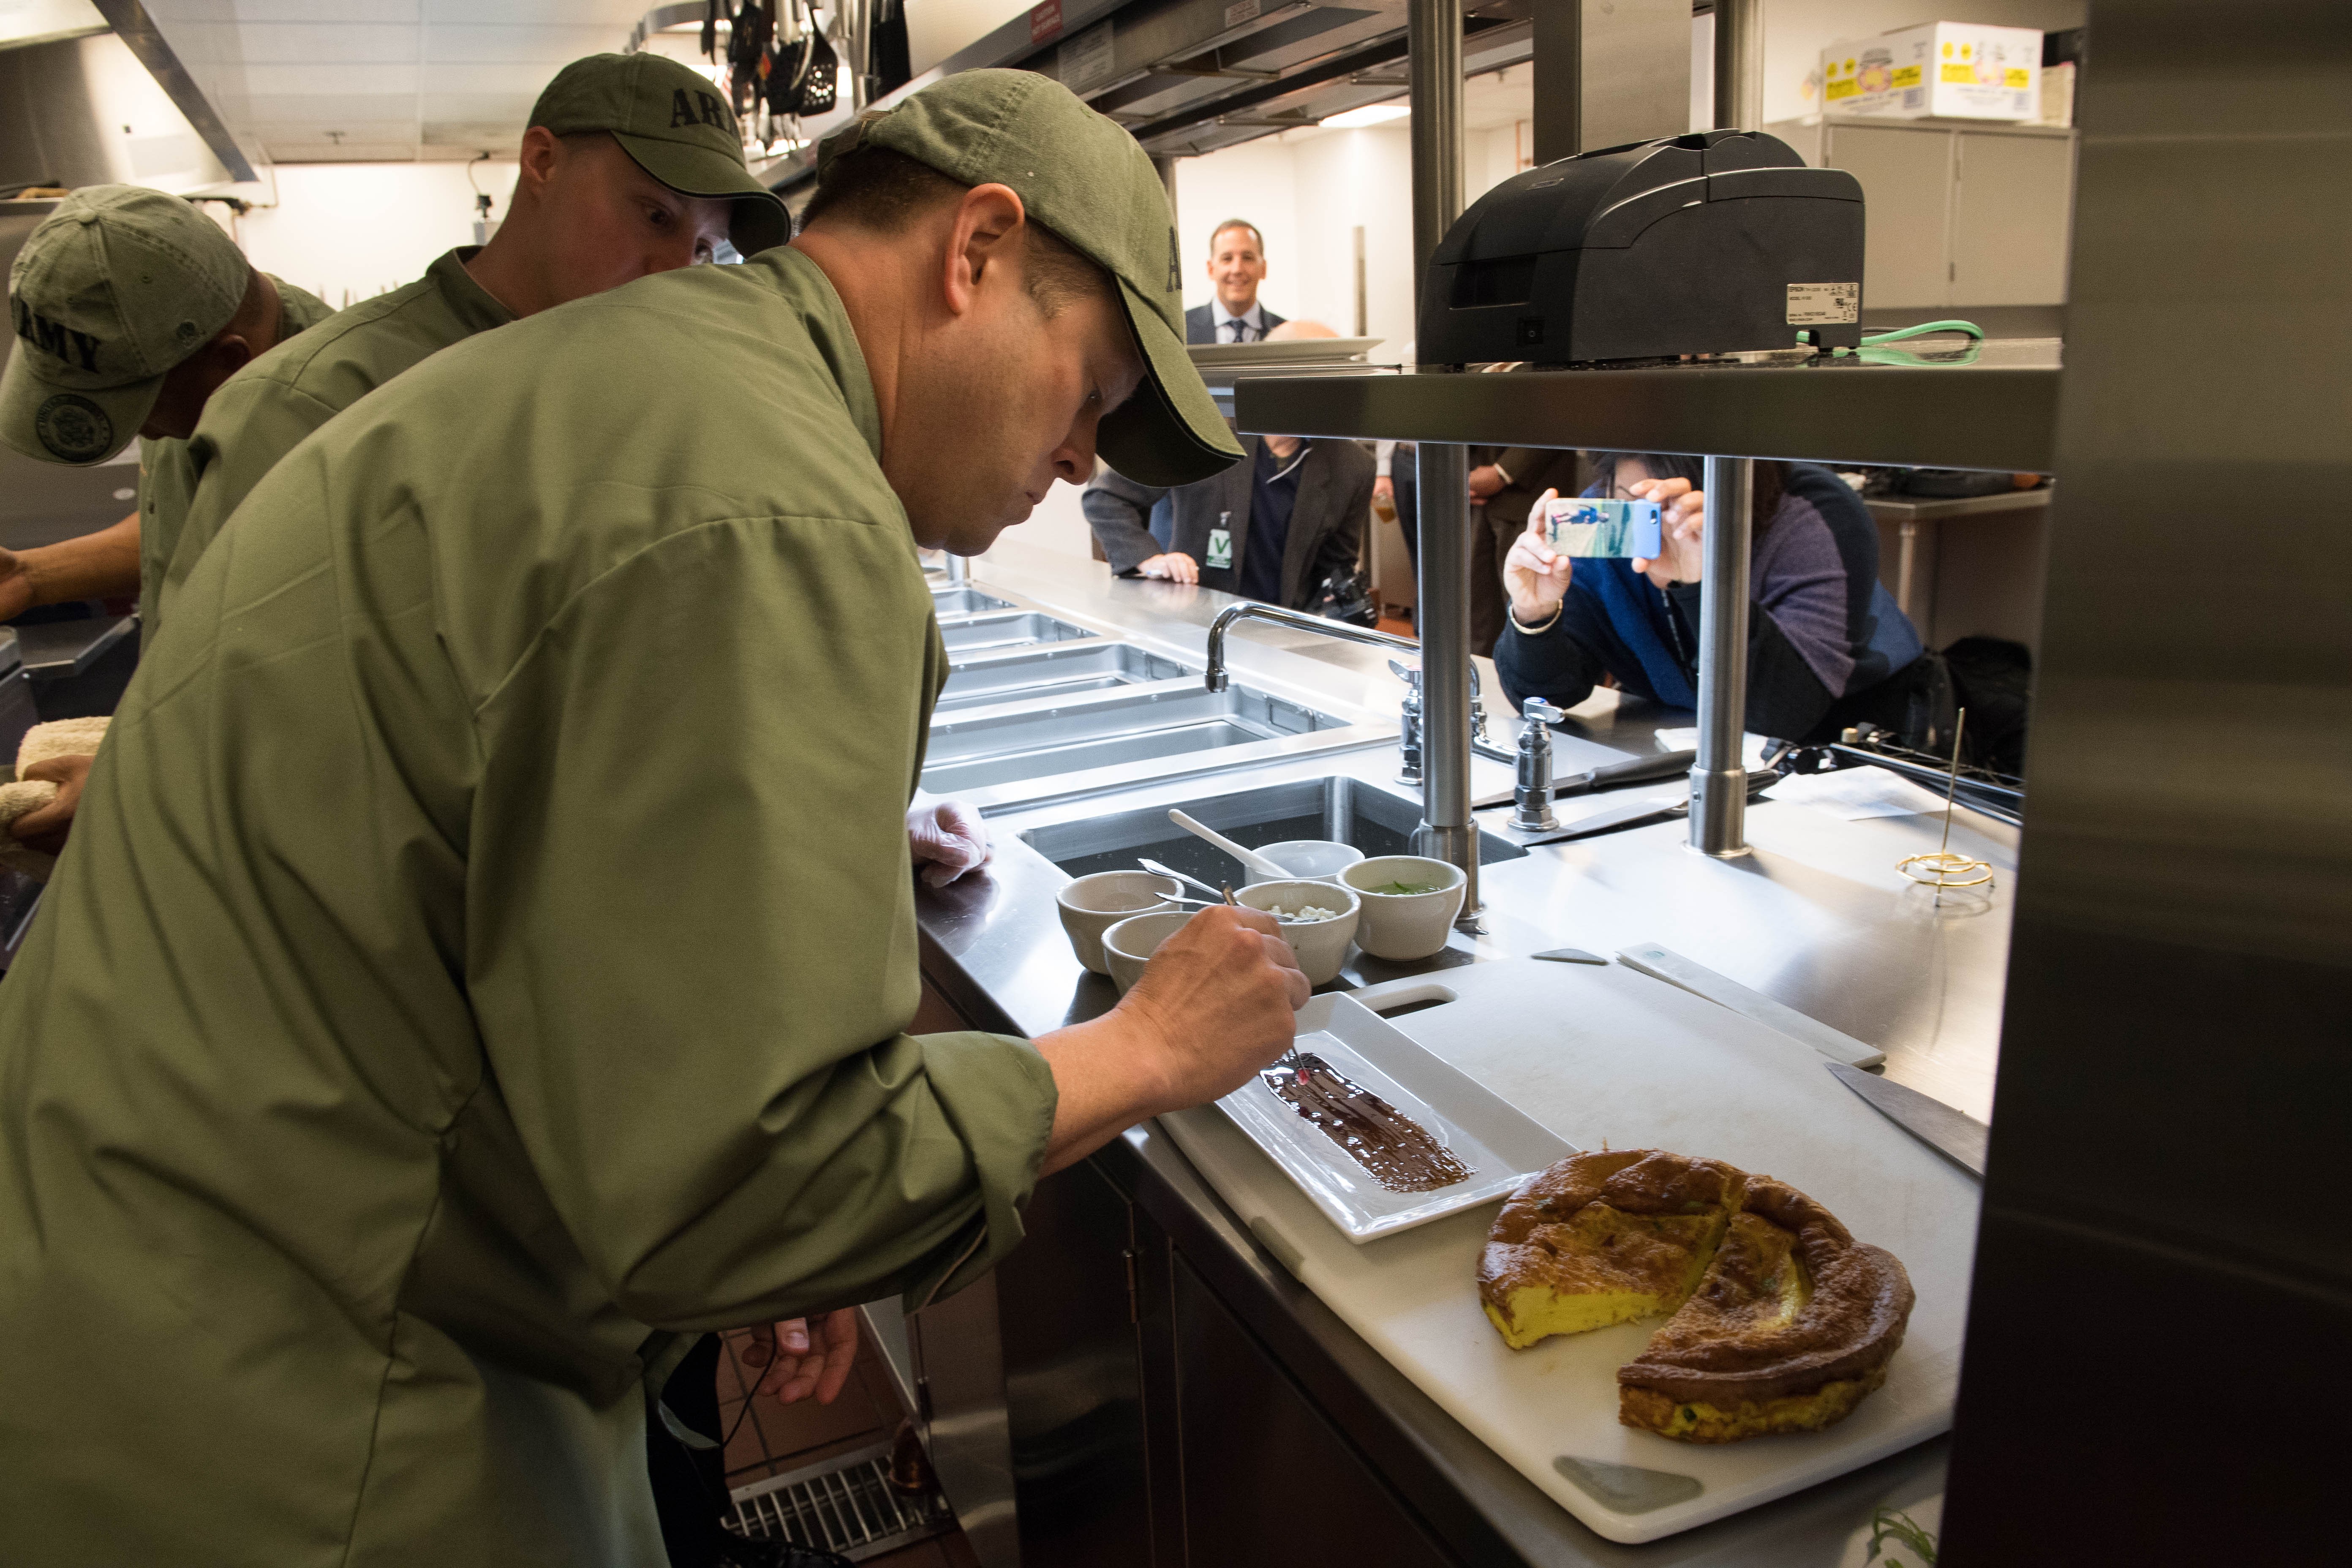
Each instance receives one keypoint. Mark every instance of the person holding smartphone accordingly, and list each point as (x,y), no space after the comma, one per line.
(1824,640)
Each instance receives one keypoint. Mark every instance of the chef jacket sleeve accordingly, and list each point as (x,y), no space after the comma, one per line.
(691,941)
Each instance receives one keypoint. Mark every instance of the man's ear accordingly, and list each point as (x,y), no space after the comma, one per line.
(542,151)
(984,231)
(222,358)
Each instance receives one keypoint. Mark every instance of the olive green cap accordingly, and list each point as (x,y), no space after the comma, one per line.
(113,290)
(670,119)
(1085,178)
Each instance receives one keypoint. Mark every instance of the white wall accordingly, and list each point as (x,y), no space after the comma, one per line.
(1797,31)
(350,231)
(1307,191)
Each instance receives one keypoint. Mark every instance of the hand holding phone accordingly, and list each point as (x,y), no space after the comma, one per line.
(1590,526)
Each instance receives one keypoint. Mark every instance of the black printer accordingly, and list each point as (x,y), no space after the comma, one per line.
(1717,242)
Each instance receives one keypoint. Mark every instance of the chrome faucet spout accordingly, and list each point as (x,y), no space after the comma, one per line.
(1297,620)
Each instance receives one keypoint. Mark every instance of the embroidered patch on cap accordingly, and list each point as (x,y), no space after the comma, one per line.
(73,427)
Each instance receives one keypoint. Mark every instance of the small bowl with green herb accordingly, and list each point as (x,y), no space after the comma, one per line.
(1318,919)
(1410,902)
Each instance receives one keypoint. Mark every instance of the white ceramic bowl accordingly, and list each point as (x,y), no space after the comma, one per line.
(1129,944)
(1321,945)
(1092,905)
(1405,925)
(1307,860)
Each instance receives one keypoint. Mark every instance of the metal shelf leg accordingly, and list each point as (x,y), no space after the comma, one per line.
(1718,816)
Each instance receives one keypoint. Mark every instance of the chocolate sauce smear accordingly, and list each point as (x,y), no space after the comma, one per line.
(1398,1151)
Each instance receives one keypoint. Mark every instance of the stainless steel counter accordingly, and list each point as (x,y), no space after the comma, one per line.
(1817,917)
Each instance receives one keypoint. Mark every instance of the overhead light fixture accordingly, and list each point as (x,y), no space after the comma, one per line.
(1370,114)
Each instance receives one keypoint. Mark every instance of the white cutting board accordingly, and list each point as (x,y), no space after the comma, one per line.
(1607,1056)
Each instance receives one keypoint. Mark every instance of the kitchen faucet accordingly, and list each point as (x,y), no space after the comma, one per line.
(1410,737)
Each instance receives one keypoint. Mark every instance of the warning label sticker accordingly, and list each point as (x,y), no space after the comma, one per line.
(1824,304)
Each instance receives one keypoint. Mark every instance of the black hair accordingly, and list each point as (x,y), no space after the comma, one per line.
(1772,478)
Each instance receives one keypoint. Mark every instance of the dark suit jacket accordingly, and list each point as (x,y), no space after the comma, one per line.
(1533,470)
(1327,524)
(1200,322)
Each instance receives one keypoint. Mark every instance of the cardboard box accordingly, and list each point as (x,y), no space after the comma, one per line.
(1959,70)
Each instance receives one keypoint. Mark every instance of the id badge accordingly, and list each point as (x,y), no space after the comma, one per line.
(1221,548)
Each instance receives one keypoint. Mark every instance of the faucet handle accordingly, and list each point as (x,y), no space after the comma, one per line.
(1536,711)
(1410,677)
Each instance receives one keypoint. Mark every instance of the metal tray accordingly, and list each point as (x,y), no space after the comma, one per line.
(1501,1145)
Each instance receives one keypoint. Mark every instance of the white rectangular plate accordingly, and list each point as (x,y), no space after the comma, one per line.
(1501,1145)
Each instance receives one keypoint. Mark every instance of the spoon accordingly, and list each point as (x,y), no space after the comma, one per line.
(1157,870)
(1249,857)
(1290,1061)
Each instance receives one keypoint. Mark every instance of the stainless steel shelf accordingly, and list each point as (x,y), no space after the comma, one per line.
(1925,509)
(1997,412)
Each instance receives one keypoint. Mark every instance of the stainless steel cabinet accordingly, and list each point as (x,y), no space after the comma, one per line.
(1958,215)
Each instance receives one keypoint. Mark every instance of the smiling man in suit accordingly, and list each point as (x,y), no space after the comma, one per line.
(1236,265)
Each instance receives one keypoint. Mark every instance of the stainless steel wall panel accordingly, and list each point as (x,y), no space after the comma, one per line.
(2156,1314)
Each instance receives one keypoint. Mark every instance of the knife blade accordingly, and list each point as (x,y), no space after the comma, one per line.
(1611,775)
(1958,1137)
(1662,962)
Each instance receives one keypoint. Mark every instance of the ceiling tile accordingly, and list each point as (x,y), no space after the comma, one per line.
(308,44)
(328,81)
(546,46)
(328,11)
(302,109)
(524,78)
(621,14)
(477,108)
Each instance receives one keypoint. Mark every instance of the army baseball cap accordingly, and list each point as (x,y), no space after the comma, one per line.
(113,290)
(1084,177)
(670,119)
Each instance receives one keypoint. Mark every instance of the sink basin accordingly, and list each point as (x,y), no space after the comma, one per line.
(1053,670)
(1005,628)
(1349,810)
(966,600)
(988,754)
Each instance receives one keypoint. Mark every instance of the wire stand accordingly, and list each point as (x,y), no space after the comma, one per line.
(1943,868)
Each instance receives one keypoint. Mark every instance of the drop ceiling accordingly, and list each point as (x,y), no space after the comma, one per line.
(339,81)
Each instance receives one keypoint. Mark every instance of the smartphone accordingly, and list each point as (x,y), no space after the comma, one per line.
(1587,526)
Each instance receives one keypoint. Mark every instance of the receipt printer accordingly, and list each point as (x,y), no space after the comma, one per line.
(1717,242)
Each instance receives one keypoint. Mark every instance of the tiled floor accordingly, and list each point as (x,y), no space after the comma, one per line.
(771,1437)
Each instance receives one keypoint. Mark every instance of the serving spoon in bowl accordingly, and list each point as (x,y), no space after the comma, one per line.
(1157,870)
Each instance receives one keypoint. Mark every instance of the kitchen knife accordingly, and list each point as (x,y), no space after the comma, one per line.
(1958,1137)
(1665,964)
(1635,813)
(1615,776)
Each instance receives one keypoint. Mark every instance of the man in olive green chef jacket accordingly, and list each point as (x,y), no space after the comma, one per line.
(130,307)
(632,164)
(523,929)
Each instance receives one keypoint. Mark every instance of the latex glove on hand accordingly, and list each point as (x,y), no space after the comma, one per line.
(800,1364)
(1534,574)
(947,839)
